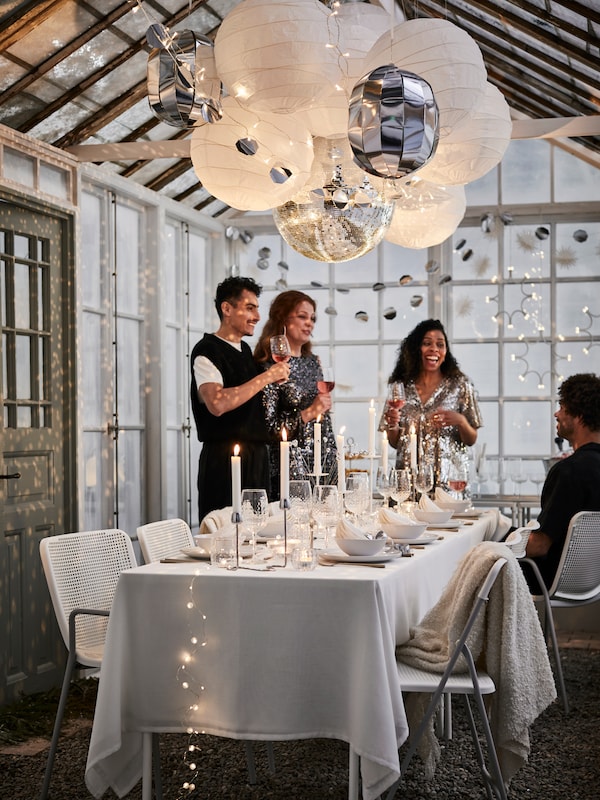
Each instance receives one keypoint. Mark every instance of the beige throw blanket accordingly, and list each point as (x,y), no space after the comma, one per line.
(507,634)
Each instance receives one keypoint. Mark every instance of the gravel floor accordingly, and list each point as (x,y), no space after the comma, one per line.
(564,763)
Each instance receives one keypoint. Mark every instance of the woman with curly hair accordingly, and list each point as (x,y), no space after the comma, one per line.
(297,403)
(440,403)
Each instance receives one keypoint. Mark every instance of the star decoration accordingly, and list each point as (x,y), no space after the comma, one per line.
(565,257)
(481,266)
(526,241)
(464,306)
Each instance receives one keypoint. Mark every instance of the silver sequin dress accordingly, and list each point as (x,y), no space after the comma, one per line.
(283,403)
(440,446)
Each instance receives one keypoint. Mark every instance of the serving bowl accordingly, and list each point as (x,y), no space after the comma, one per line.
(433,516)
(402,531)
(361,547)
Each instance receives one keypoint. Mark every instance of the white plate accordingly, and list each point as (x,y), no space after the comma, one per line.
(470,513)
(335,555)
(453,524)
(195,552)
(424,538)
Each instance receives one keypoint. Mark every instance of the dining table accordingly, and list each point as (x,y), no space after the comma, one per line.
(266,655)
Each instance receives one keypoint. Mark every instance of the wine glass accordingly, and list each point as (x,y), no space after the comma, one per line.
(396,397)
(518,475)
(300,501)
(357,493)
(400,482)
(280,348)
(424,478)
(255,511)
(458,478)
(383,484)
(325,509)
(328,381)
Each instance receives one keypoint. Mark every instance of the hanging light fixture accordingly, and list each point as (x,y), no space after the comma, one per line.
(420,223)
(182,81)
(338,215)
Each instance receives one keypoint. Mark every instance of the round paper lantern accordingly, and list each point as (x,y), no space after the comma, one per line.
(474,147)
(427,216)
(277,57)
(328,118)
(338,215)
(242,158)
(393,122)
(183,86)
(442,54)
(360,25)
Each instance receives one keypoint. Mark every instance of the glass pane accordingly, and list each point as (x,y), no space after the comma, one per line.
(474,255)
(528,428)
(574,257)
(90,274)
(526,310)
(170,377)
(171,270)
(488,434)
(130,480)
(3,292)
(95,483)
(483,191)
(197,271)
(23,417)
(23,365)
(22,297)
(356,372)
(528,255)
(571,301)
(526,172)
(91,351)
(472,313)
(41,369)
(54,180)
(130,385)
(42,323)
(399,261)
(346,324)
(527,369)
(480,363)
(575,180)
(355,418)
(18,167)
(174,461)
(571,359)
(129,258)
(21,246)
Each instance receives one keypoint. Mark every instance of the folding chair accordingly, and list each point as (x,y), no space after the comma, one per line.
(475,683)
(577,579)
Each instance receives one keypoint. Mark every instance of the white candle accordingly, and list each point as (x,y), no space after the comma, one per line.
(413,447)
(372,428)
(341,460)
(236,480)
(284,468)
(317,448)
(384,451)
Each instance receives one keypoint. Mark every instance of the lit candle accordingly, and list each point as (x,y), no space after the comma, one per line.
(372,428)
(317,449)
(384,451)
(236,480)
(413,447)
(284,468)
(341,459)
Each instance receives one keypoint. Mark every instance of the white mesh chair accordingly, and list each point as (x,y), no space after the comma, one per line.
(82,570)
(475,683)
(164,539)
(577,579)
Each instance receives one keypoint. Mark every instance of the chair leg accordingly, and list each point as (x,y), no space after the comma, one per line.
(550,629)
(156,766)
(353,774)
(270,756)
(62,703)
(250,761)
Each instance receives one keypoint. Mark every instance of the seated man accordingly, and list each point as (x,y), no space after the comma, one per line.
(573,483)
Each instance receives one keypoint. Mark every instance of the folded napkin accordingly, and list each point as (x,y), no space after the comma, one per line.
(425,504)
(443,497)
(389,517)
(347,530)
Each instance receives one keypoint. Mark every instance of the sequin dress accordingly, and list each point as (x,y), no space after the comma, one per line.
(441,447)
(283,403)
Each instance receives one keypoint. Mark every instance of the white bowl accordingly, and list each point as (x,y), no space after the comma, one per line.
(399,531)
(457,506)
(361,547)
(433,516)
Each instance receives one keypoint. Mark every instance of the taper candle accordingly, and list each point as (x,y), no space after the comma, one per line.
(371,450)
(384,451)
(341,461)
(413,447)
(236,480)
(317,447)
(284,468)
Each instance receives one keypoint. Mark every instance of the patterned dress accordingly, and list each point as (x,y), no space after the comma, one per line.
(283,403)
(441,447)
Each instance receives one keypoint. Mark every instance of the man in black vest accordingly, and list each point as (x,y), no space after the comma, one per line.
(226,397)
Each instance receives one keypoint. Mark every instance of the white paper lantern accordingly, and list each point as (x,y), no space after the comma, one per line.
(278,57)
(474,147)
(328,118)
(427,216)
(360,26)
(445,56)
(245,181)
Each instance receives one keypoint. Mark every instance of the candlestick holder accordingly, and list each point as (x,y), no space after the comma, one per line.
(236,519)
(285,505)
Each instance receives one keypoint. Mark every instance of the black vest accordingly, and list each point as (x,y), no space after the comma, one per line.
(246,423)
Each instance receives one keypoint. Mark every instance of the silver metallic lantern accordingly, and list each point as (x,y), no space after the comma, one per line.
(183,85)
(393,122)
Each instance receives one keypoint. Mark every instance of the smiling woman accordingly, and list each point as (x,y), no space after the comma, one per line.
(440,409)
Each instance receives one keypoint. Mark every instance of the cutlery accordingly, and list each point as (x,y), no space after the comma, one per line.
(325,563)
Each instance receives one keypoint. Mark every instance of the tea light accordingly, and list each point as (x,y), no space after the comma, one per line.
(304,559)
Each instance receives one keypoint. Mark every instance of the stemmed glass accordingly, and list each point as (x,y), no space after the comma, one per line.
(396,397)
(280,348)
(300,502)
(518,475)
(383,483)
(357,493)
(424,478)
(255,511)
(537,477)
(328,382)
(400,482)
(325,509)
(458,478)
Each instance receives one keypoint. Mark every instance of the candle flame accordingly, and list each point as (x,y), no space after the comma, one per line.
(372,403)
(283,435)
(342,429)
(412,430)
(319,418)
(236,450)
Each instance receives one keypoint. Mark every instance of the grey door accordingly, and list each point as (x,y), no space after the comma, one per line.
(37,389)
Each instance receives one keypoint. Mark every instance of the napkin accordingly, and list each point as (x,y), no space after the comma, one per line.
(425,504)
(442,497)
(389,517)
(347,530)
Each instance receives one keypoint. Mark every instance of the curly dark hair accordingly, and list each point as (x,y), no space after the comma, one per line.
(579,395)
(231,289)
(281,308)
(408,363)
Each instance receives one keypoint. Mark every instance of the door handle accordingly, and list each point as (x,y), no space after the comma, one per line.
(11,477)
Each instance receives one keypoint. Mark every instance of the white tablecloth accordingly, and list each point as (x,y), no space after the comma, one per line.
(287,655)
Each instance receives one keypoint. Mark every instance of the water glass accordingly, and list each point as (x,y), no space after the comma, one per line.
(400,484)
(300,502)
(222,550)
(255,513)
(424,478)
(326,509)
(357,493)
